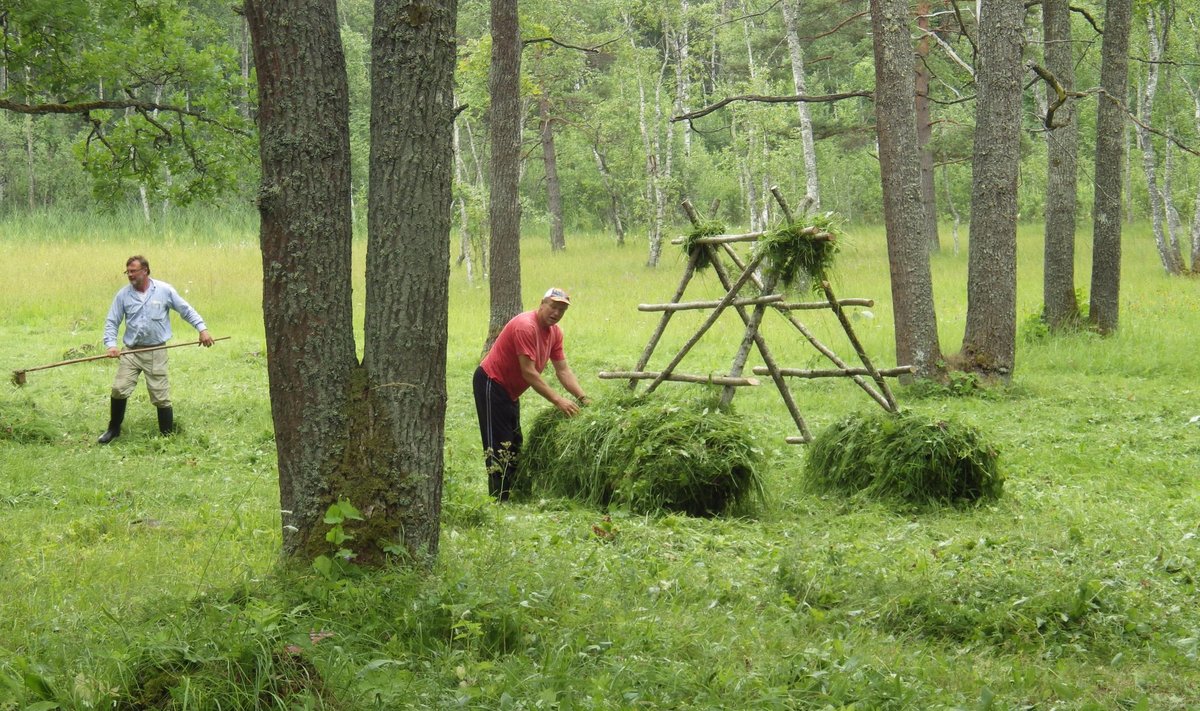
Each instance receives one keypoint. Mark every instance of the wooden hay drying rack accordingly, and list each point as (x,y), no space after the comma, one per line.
(717,248)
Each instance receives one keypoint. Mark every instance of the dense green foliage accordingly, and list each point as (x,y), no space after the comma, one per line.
(613,81)
(904,457)
(146,572)
(647,455)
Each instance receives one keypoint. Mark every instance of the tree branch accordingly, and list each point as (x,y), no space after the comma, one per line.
(1059,92)
(551,40)
(949,50)
(799,98)
(839,25)
(144,107)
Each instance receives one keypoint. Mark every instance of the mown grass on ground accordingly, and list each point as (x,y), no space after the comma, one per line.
(144,574)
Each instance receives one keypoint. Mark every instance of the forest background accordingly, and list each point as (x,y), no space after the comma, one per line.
(600,85)
(1084,608)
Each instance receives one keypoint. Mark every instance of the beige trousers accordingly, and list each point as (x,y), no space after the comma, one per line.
(154,365)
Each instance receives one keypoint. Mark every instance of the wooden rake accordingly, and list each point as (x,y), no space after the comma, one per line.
(18,376)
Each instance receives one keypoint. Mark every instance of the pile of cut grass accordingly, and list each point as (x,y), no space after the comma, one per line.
(646,455)
(904,457)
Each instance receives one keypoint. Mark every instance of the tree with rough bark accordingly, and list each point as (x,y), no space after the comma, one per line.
(1105,306)
(504,206)
(904,210)
(369,432)
(989,344)
(1061,310)
(925,127)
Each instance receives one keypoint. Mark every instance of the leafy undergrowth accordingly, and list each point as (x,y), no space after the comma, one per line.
(545,608)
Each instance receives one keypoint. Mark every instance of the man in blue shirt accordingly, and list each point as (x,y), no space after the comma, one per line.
(144,305)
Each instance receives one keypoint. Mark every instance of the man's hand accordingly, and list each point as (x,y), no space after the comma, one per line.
(113,352)
(567,407)
(205,339)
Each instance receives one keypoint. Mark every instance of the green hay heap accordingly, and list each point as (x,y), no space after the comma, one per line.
(800,253)
(647,456)
(711,228)
(906,457)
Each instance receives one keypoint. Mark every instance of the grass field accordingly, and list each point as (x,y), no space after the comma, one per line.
(143,574)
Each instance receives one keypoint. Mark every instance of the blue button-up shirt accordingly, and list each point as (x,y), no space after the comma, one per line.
(147,316)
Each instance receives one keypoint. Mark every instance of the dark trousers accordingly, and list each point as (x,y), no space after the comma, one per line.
(500,430)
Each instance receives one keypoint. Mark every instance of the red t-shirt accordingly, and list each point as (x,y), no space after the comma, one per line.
(523,335)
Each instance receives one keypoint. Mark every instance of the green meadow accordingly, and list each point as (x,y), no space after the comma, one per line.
(145,573)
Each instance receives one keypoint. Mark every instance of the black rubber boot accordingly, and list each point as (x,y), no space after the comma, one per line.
(166,420)
(116,416)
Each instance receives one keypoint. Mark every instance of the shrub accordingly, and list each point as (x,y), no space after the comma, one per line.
(904,457)
(646,455)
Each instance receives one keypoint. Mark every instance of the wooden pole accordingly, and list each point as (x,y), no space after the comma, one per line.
(836,372)
(731,293)
(824,350)
(862,352)
(763,350)
(19,375)
(691,305)
(679,377)
(666,317)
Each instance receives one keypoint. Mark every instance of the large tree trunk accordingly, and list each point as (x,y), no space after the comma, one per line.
(344,430)
(925,129)
(504,210)
(1110,163)
(305,234)
(558,241)
(408,269)
(812,186)
(989,344)
(1062,148)
(903,210)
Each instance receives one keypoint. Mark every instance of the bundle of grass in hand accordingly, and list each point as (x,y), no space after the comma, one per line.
(646,455)
(800,253)
(906,457)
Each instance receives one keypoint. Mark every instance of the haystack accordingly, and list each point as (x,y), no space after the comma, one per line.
(904,457)
(646,455)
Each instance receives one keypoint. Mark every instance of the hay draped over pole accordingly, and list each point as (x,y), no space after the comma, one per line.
(647,456)
(799,254)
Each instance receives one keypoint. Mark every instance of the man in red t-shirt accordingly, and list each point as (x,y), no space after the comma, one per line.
(512,366)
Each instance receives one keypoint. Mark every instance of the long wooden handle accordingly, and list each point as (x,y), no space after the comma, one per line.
(122,353)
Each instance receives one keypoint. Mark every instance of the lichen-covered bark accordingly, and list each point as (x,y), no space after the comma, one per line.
(304,206)
(504,209)
(1062,141)
(1104,307)
(903,210)
(408,264)
(369,433)
(989,344)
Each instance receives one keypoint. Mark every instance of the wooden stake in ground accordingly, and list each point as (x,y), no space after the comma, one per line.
(18,376)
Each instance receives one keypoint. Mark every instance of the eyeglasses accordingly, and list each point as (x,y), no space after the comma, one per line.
(135,271)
